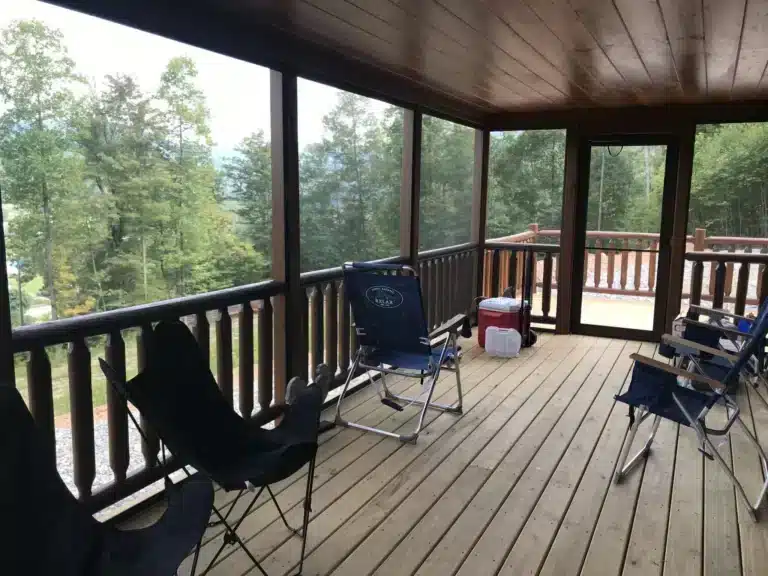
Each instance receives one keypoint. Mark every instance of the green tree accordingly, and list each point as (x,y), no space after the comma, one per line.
(40,170)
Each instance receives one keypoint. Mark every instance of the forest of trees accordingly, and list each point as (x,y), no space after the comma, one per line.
(114,196)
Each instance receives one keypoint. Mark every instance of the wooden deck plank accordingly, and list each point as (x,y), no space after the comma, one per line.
(647,540)
(530,548)
(607,547)
(684,538)
(376,547)
(721,533)
(488,436)
(753,536)
(492,550)
(363,481)
(344,447)
(505,470)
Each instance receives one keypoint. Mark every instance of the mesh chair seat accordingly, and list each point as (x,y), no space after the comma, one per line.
(408,360)
(652,388)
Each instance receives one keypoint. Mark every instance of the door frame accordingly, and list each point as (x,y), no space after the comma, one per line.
(672,142)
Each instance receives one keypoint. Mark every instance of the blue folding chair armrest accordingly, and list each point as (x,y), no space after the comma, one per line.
(724,329)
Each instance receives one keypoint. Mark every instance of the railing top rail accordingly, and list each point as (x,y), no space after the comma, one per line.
(611,234)
(738,257)
(65,330)
(328,274)
(736,240)
(448,250)
(519,237)
(552,248)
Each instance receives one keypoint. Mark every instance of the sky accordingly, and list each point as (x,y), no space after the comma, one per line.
(237,92)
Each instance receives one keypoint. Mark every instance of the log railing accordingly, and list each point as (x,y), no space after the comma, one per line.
(447,279)
(109,334)
(749,285)
(522,267)
(625,263)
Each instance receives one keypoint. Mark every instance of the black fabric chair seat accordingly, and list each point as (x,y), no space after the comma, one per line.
(178,394)
(46,531)
(653,388)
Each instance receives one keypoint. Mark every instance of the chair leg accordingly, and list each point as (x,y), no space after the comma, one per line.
(621,468)
(307,511)
(338,419)
(196,558)
(280,511)
(231,537)
(457,363)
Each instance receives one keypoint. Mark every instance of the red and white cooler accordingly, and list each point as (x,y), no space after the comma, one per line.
(501,313)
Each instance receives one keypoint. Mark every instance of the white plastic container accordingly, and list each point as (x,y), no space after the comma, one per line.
(504,342)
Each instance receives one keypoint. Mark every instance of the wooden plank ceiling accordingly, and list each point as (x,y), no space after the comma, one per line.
(516,55)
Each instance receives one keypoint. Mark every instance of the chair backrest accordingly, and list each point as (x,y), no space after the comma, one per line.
(752,347)
(387,309)
(179,397)
(45,529)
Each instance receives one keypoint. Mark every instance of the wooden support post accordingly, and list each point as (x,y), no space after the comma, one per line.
(565,267)
(410,186)
(699,240)
(480,204)
(290,343)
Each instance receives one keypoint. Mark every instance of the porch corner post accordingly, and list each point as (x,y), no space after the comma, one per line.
(564,322)
(289,340)
(410,187)
(480,204)
(678,238)
(6,345)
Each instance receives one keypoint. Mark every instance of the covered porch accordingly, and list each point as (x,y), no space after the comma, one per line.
(522,482)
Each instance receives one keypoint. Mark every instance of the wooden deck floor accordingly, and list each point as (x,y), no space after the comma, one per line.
(520,484)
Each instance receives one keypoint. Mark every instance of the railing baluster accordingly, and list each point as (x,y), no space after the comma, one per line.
(546,290)
(344,333)
(729,272)
(434,283)
(40,386)
(117,415)
(445,295)
(742,285)
(611,262)
(496,262)
(224,354)
(265,354)
(712,268)
(598,262)
(81,406)
(318,328)
(332,330)
(697,279)
(638,265)
(762,290)
(453,274)
(719,295)
(624,264)
(245,352)
(305,340)
(203,334)
(150,445)
(512,280)
(424,276)
(652,266)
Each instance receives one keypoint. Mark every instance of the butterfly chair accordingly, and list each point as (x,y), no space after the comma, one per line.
(654,390)
(50,532)
(179,397)
(393,338)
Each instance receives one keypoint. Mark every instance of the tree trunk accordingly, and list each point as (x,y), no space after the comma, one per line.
(48,233)
(144,266)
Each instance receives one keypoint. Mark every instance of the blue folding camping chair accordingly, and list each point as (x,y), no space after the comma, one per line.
(393,338)
(655,390)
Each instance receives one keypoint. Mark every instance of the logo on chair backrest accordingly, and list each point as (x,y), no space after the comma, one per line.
(384,297)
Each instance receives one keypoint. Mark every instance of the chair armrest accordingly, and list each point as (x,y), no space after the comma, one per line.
(269,414)
(719,312)
(719,328)
(453,325)
(676,341)
(714,384)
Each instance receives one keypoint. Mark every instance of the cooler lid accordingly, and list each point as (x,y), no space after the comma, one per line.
(500,304)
